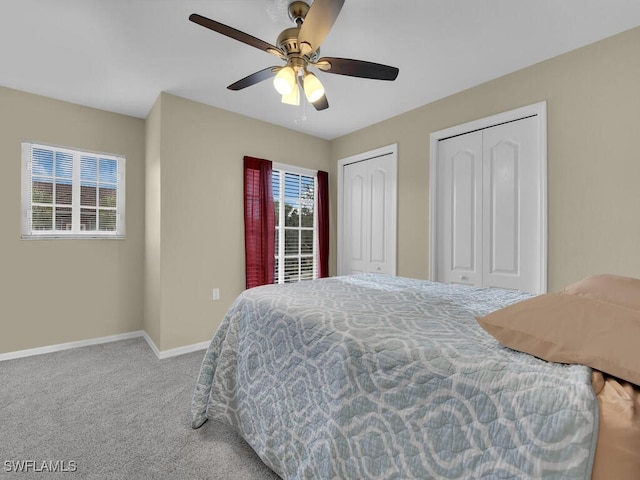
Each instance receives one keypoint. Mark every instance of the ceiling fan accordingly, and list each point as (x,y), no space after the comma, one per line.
(299,47)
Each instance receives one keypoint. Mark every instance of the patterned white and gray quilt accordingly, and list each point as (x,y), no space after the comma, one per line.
(372,376)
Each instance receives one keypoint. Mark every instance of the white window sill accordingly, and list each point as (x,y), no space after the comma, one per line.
(57,236)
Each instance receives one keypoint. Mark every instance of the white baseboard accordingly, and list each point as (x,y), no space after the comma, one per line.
(66,346)
(174,352)
(97,341)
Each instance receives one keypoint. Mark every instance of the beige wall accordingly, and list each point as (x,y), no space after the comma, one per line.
(201,208)
(57,291)
(153,221)
(593,116)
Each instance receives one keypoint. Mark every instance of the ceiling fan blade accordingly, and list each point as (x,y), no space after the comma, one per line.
(357,68)
(235,34)
(254,78)
(319,20)
(321,104)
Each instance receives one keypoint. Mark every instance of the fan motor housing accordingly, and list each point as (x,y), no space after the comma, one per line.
(288,42)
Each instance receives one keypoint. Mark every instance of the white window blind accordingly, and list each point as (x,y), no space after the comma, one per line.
(294,195)
(69,193)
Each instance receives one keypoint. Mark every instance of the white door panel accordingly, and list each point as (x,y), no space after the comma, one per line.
(356,210)
(460,208)
(511,202)
(380,181)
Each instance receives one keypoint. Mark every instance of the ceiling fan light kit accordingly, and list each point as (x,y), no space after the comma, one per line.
(299,46)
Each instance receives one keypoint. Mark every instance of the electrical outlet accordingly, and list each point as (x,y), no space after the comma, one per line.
(215,294)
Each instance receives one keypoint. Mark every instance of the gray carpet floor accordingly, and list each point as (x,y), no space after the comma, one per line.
(117,412)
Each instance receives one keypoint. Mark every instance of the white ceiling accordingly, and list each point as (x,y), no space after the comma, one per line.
(118,55)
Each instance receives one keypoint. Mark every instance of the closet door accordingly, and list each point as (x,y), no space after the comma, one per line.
(488,207)
(368,216)
(459,223)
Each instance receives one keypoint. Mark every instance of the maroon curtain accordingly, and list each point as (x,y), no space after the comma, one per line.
(323,224)
(259,222)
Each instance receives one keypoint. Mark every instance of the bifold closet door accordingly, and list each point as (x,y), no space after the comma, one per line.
(368,187)
(488,207)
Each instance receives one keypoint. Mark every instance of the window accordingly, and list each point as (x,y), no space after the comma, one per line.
(71,194)
(294,198)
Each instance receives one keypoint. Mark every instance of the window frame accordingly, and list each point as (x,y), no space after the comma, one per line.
(279,257)
(27,231)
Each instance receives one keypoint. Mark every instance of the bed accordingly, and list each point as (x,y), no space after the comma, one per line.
(373,376)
